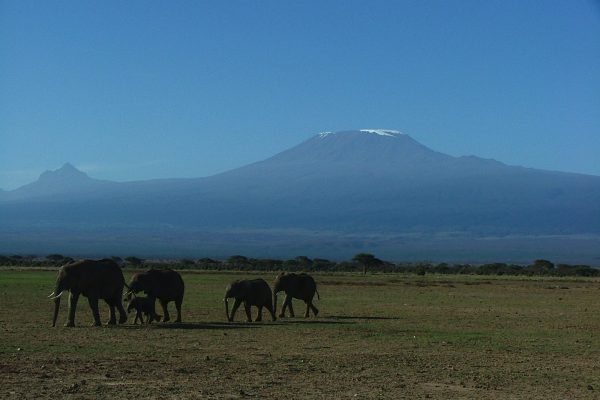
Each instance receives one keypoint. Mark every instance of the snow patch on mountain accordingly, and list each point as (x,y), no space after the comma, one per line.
(382,132)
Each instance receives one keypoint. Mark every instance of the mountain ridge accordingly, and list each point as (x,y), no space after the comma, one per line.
(68,173)
(355,183)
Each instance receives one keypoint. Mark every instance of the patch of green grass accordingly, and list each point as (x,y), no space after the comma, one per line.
(379,335)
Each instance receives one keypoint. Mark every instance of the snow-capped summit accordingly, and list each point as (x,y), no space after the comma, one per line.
(382,132)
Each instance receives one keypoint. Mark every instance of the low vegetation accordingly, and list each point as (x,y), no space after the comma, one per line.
(377,336)
(361,262)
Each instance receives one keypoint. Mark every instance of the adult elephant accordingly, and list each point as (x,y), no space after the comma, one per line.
(165,285)
(96,280)
(298,286)
(254,292)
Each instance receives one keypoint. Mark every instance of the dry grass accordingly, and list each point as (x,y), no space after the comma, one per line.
(379,336)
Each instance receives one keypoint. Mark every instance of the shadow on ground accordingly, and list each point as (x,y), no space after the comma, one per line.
(313,321)
(354,317)
(199,325)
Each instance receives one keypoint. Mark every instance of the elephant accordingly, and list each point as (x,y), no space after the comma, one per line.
(95,279)
(299,286)
(163,284)
(143,305)
(255,292)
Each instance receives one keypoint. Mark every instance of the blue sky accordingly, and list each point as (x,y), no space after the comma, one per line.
(139,90)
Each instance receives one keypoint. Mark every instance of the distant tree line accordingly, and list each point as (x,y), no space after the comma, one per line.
(362,262)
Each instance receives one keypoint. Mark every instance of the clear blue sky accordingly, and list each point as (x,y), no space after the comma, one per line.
(138,89)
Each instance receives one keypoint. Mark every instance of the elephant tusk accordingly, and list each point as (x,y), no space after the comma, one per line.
(58,295)
(50,295)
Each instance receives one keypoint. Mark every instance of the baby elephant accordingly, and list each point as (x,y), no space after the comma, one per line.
(255,292)
(143,305)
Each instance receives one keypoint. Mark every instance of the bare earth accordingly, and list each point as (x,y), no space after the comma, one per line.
(379,336)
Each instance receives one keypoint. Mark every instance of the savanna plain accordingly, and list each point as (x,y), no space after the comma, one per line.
(377,336)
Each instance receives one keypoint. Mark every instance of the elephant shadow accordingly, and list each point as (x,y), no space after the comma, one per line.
(358,317)
(199,325)
(323,321)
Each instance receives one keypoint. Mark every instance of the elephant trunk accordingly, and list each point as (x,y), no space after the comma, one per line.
(275,302)
(56,307)
(226,308)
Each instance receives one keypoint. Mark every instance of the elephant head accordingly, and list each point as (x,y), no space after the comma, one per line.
(282,283)
(67,279)
(139,282)
(235,289)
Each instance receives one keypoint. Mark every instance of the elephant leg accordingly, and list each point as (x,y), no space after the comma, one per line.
(314,309)
(122,313)
(283,307)
(247,308)
(155,316)
(234,309)
(165,311)
(306,314)
(94,306)
(112,319)
(73,297)
(289,301)
(272,311)
(178,306)
(259,315)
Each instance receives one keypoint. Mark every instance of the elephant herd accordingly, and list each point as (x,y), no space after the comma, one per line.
(103,280)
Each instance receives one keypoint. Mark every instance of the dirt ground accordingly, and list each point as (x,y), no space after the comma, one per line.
(379,336)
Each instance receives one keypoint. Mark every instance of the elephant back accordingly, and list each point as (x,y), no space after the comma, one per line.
(96,278)
(304,285)
(260,291)
(165,284)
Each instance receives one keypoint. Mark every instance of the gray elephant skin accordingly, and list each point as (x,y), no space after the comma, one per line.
(254,292)
(96,280)
(143,305)
(165,285)
(297,286)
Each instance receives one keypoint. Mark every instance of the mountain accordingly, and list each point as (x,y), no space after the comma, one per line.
(334,194)
(65,181)
(365,180)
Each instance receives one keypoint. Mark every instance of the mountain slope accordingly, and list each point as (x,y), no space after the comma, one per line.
(65,181)
(359,180)
(353,182)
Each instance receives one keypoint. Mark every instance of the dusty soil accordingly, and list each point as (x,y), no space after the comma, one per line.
(379,336)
